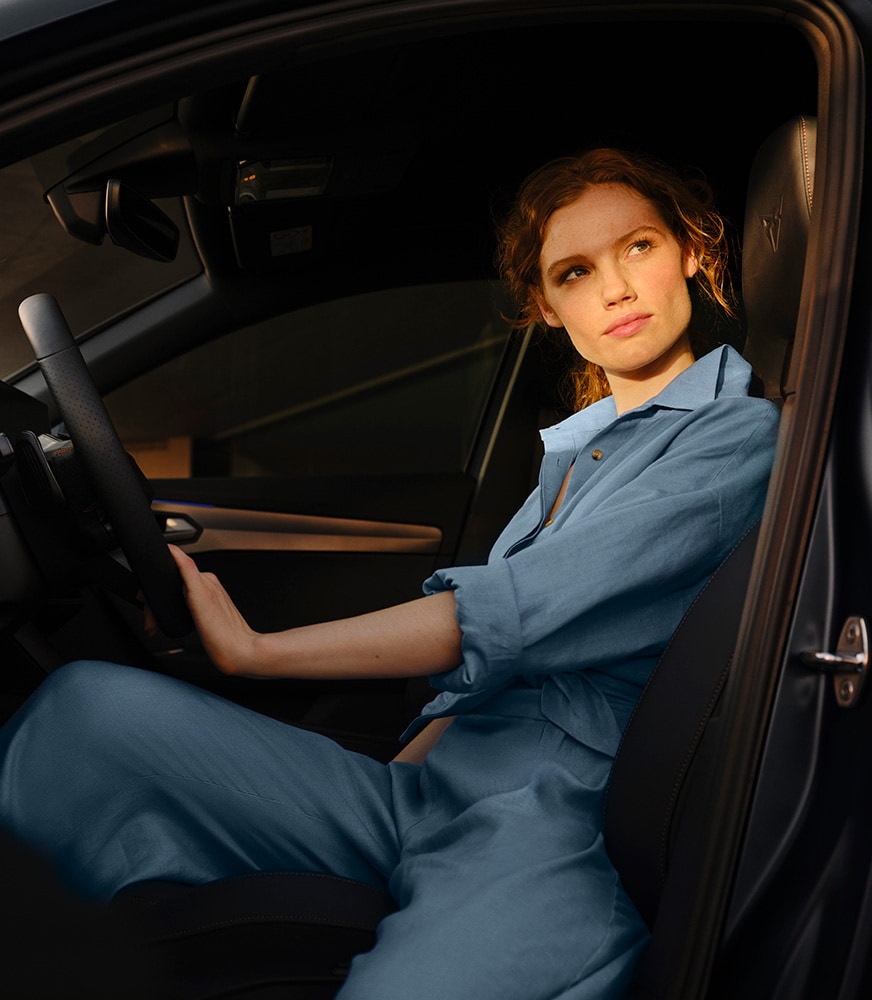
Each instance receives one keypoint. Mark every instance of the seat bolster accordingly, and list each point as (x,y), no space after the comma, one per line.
(665,729)
(169,910)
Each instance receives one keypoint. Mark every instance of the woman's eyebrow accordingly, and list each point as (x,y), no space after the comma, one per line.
(576,258)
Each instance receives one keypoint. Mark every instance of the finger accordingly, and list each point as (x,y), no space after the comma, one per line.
(188,569)
(182,559)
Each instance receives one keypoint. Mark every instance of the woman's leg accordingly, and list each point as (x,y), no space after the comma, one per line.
(120,775)
(504,886)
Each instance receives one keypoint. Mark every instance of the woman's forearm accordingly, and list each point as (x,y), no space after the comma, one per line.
(409,640)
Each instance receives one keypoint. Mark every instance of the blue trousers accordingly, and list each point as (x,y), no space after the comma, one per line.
(493,849)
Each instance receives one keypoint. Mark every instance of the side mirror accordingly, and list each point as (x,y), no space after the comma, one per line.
(137,224)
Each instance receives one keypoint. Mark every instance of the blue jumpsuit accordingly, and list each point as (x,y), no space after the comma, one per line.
(493,849)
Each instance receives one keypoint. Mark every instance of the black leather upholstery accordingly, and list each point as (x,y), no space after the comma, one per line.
(777,215)
(289,934)
(665,729)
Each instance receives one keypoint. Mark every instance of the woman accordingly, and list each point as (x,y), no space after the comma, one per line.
(487,828)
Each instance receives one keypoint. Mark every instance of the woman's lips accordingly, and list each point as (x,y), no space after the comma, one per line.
(627,325)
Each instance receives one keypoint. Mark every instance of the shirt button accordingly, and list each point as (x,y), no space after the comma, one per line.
(596,454)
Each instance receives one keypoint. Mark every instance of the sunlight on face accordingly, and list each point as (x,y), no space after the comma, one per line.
(615,277)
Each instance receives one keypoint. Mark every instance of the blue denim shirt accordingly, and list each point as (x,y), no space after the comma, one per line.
(575,612)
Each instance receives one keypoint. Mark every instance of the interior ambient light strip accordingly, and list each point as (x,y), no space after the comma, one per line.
(229,528)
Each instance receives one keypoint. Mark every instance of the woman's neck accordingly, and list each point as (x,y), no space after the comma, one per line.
(632,389)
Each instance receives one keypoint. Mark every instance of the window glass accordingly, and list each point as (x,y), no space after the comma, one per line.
(388,382)
(91,283)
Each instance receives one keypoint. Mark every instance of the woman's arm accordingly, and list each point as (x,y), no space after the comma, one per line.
(409,640)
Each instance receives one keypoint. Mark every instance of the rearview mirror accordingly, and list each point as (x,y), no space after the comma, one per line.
(132,221)
(137,224)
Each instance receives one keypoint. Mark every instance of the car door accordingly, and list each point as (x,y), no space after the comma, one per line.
(324,462)
(772,899)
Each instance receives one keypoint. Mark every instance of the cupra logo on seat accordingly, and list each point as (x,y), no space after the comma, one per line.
(772,226)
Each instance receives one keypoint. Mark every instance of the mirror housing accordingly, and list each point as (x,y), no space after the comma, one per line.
(137,224)
(132,221)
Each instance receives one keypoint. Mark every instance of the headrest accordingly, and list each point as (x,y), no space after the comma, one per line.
(777,215)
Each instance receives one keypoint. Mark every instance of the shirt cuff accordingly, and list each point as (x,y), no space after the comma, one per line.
(491,643)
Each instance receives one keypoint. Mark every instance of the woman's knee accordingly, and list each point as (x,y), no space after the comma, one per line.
(79,682)
(91,728)
(86,703)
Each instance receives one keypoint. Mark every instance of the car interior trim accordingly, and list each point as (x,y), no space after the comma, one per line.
(226,528)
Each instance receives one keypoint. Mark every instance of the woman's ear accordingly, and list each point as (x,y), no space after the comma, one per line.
(691,263)
(545,311)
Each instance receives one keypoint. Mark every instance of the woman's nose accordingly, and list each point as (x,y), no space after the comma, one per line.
(615,286)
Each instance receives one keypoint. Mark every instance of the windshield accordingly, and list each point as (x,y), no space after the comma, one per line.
(94,283)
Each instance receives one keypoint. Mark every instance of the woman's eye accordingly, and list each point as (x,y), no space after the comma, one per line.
(640,247)
(578,271)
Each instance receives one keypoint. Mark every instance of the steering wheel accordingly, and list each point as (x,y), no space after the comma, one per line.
(115,480)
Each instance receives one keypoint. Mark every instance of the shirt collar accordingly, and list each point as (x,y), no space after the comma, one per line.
(721,372)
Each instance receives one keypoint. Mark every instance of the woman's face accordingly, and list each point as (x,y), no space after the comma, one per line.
(615,277)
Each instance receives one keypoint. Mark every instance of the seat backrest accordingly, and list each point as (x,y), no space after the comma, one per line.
(774,241)
(662,741)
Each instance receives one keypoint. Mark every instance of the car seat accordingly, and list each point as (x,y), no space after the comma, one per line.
(651,809)
(294,934)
